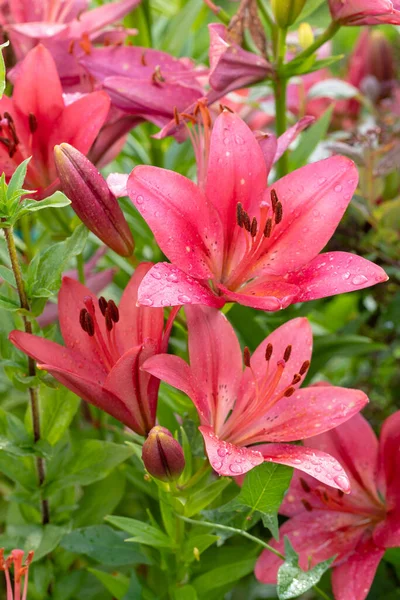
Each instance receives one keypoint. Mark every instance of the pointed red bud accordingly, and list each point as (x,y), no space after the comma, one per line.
(92,200)
(163,455)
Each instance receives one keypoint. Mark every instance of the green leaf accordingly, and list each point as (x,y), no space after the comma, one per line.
(100,499)
(292,580)
(187,592)
(56,200)
(89,461)
(8,303)
(44,273)
(17,180)
(310,140)
(196,544)
(41,539)
(2,69)
(57,409)
(135,589)
(203,497)
(222,576)
(116,584)
(333,88)
(142,532)
(96,542)
(7,275)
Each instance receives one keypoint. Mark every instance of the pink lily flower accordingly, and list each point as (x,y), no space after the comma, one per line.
(36,118)
(235,240)
(21,571)
(365,12)
(143,82)
(240,411)
(105,347)
(53,22)
(356,528)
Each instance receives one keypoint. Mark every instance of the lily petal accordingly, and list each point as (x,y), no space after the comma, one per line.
(291,134)
(268,295)
(389,460)
(352,579)
(320,465)
(166,285)
(335,273)
(187,231)
(215,360)
(229,459)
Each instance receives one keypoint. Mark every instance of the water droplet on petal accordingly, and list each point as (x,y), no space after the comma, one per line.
(346,275)
(342,482)
(184,299)
(237,469)
(172,277)
(156,275)
(321,180)
(221,452)
(359,280)
(146,302)
(338,188)
(217,465)
(139,199)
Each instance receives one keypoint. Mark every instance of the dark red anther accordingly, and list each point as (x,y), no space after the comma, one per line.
(268,352)
(176,116)
(305,485)
(274,200)
(246,357)
(82,317)
(33,124)
(157,76)
(278,213)
(296,378)
(113,310)
(89,324)
(306,505)
(289,392)
(304,367)
(268,228)
(239,214)
(246,221)
(288,352)
(253,227)
(108,319)
(103,305)
(143,59)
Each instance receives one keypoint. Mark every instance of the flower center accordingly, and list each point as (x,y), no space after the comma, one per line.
(9,136)
(106,346)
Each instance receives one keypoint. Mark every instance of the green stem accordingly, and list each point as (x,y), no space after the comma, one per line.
(234,530)
(196,477)
(218,12)
(26,235)
(320,41)
(280,89)
(80,267)
(321,593)
(33,391)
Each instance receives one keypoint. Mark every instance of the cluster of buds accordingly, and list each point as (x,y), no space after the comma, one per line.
(162,455)
(92,200)
(21,569)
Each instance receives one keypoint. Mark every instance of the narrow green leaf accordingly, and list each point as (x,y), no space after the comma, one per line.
(143,532)
(202,498)
(310,140)
(56,200)
(2,69)
(116,584)
(223,575)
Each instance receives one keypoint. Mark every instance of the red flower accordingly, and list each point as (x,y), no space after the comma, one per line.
(105,347)
(239,409)
(365,12)
(358,527)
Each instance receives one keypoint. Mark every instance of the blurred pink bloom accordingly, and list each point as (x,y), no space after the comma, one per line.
(236,241)
(105,348)
(21,571)
(365,12)
(356,528)
(239,411)
(59,23)
(36,118)
(96,281)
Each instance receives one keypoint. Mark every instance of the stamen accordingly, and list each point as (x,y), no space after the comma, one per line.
(268,228)
(305,485)
(268,352)
(304,367)
(108,319)
(89,325)
(278,213)
(157,77)
(306,505)
(103,305)
(82,318)
(296,379)
(274,200)
(289,392)
(114,312)
(246,221)
(33,124)
(246,357)
(253,228)
(176,116)
(287,353)
(239,214)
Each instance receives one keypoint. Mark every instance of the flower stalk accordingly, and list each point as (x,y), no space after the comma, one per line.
(33,391)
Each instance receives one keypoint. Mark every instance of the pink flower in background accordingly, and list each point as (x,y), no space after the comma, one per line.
(105,347)
(356,528)
(59,23)
(236,241)
(21,572)
(365,12)
(36,118)
(240,410)
(96,281)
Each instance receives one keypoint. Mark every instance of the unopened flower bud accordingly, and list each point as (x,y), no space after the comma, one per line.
(92,200)
(287,11)
(380,60)
(163,455)
(306,35)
